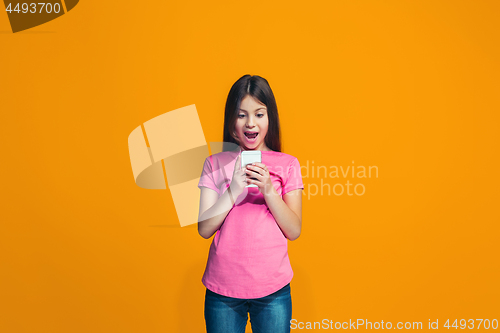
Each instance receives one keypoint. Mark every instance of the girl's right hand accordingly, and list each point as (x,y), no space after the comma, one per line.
(239,180)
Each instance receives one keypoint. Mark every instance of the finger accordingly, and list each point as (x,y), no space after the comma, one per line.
(253,171)
(253,181)
(258,169)
(256,175)
(261,165)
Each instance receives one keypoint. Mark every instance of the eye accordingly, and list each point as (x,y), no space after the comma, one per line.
(260,115)
(241,115)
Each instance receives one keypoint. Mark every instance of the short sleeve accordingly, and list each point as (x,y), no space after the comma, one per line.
(294,177)
(207,178)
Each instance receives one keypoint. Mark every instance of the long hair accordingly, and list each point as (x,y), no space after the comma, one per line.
(258,88)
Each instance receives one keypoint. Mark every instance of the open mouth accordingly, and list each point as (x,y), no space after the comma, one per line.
(251,136)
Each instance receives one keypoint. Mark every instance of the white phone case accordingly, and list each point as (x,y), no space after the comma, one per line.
(248,157)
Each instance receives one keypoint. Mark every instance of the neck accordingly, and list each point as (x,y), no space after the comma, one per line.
(262,149)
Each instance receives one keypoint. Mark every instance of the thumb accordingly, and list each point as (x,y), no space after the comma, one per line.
(238,163)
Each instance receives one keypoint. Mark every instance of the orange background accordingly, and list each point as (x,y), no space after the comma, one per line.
(408,86)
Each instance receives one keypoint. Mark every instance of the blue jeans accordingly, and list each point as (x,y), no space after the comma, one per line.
(269,314)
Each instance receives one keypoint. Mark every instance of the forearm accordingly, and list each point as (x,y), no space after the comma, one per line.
(211,219)
(287,220)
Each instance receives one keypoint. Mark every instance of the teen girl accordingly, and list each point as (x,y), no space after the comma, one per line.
(248,270)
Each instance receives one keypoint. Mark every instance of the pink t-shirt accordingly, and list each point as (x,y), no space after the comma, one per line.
(248,257)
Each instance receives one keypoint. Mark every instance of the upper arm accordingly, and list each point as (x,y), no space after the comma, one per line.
(293,199)
(208,198)
(293,187)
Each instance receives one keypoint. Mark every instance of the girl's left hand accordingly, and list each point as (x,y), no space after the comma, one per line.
(260,171)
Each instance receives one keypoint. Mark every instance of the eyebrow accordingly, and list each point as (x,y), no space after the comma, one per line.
(262,108)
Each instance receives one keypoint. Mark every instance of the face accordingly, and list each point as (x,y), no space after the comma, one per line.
(252,118)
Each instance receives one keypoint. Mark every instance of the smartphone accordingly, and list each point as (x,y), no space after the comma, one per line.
(249,157)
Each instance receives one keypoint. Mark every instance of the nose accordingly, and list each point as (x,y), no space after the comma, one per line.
(250,122)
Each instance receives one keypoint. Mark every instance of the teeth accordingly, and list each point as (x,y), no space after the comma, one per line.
(251,136)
